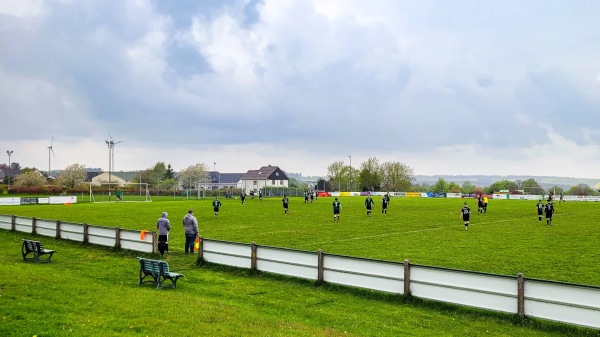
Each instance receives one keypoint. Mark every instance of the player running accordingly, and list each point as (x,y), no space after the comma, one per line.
(480,204)
(243,197)
(216,204)
(369,204)
(285,203)
(549,212)
(337,207)
(466,215)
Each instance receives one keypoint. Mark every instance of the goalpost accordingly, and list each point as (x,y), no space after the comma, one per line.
(119,192)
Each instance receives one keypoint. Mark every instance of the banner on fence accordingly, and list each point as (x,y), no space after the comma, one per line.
(453,195)
(29,201)
(35,201)
(10,201)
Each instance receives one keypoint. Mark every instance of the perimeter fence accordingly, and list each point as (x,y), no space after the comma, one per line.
(550,300)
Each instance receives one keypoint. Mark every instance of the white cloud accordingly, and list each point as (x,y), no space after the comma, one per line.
(301,84)
(22,8)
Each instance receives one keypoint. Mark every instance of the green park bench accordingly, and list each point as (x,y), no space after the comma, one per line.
(37,248)
(158,271)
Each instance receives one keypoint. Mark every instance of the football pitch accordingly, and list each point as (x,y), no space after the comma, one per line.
(93,291)
(506,240)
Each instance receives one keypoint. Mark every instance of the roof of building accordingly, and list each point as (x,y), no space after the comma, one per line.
(127,176)
(224,178)
(7,171)
(89,175)
(265,173)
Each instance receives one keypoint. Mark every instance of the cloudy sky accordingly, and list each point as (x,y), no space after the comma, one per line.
(446,87)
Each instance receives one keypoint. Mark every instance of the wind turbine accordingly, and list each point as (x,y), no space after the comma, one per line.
(50,149)
(112,147)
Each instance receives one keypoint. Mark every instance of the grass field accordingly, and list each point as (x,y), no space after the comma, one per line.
(507,240)
(93,291)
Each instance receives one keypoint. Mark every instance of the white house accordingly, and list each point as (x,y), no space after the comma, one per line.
(266,176)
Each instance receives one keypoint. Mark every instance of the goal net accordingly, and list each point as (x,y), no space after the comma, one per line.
(119,192)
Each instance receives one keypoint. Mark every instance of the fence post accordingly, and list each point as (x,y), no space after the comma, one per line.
(85,233)
(33,224)
(200,259)
(406,277)
(13,223)
(117,238)
(253,256)
(58,229)
(154,242)
(520,294)
(320,267)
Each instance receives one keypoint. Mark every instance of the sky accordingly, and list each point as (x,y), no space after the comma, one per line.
(497,87)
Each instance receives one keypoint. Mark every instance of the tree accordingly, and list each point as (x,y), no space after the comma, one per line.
(555,190)
(530,186)
(158,173)
(441,186)
(467,187)
(169,173)
(453,187)
(293,182)
(396,177)
(501,185)
(338,174)
(30,179)
(422,187)
(370,175)
(192,175)
(581,189)
(15,166)
(72,176)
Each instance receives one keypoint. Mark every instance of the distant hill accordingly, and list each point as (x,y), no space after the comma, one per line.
(485,180)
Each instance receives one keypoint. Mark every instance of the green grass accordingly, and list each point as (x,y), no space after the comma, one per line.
(93,291)
(507,240)
(89,290)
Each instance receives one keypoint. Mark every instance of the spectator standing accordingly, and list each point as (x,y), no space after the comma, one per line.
(164,226)
(190,227)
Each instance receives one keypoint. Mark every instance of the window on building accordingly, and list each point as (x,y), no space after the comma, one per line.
(254,182)
(281,182)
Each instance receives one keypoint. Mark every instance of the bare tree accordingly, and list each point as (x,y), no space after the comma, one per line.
(396,176)
(338,174)
(72,176)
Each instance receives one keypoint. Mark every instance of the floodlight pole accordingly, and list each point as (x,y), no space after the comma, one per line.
(218,179)
(110,146)
(9,153)
(350,175)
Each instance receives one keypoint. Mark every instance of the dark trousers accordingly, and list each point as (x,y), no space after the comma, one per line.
(163,244)
(190,239)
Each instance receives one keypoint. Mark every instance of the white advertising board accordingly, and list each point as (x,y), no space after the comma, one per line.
(10,201)
(63,200)
(287,262)
(6,222)
(560,302)
(45,227)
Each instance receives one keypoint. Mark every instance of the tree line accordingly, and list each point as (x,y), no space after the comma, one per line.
(369,176)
